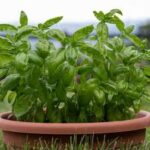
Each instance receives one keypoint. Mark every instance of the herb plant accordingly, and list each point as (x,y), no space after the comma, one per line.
(92,77)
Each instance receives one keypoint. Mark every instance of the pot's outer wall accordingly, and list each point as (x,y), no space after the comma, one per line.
(19,140)
(142,121)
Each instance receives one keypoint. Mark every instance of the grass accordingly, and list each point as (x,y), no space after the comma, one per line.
(85,146)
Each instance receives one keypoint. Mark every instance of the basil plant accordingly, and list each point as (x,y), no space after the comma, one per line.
(91,77)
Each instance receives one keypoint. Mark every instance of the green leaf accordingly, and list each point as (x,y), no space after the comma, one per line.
(23,105)
(50,22)
(99,15)
(99,96)
(119,23)
(10,98)
(71,55)
(89,50)
(61,105)
(43,48)
(147,71)
(24,32)
(7,27)
(102,31)
(3,73)
(21,61)
(23,46)
(6,44)
(82,33)
(56,34)
(136,40)
(113,12)
(33,76)
(70,94)
(35,59)
(5,59)
(129,29)
(84,68)
(10,82)
(23,19)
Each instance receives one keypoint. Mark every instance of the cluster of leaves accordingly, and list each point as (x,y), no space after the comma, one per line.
(88,79)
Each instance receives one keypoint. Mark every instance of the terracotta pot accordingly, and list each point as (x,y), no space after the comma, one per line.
(17,133)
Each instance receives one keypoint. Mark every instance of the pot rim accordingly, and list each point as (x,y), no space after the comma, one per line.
(142,121)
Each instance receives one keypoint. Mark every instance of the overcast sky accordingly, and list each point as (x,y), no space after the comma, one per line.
(72,10)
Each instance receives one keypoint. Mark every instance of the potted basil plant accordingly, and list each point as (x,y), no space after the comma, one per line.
(93,84)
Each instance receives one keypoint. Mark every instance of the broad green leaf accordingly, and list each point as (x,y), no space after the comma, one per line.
(99,15)
(70,94)
(6,44)
(147,71)
(61,105)
(68,73)
(7,27)
(43,48)
(102,32)
(33,76)
(23,19)
(89,50)
(22,105)
(23,46)
(10,98)
(82,33)
(35,59)
(10,82)
(84,69)
(122,86)
(119,23)
(135,40)
(56,34)
(99,96)
(115,44)
(24,32)
(21,61)
(50,22)
(113,12)
(71,55)
(100,72)
(129,29)
(3,73)
(5,59)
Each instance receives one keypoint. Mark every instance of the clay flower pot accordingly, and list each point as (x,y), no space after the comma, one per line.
(17,133)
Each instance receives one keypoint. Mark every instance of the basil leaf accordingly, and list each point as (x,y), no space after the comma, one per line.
(10,98)
(3,73)
(136,40)
(99,15)
(56,34)
(24,32)
(23,105)
(5,59)
(43,48)
(129,29)
(113,12)
(50,22)
(102,31)
(147,71)
(35,59)
(10,82)
(21,61)
(6,44)
(23,19)
(7,27)
(119,23)
(82,33)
